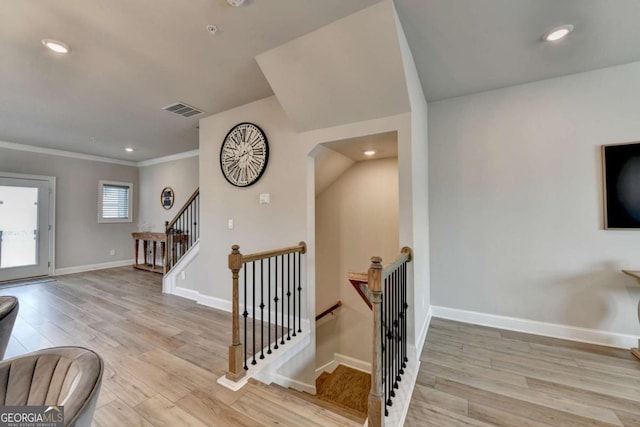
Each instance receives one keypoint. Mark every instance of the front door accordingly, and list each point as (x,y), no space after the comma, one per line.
(24,228)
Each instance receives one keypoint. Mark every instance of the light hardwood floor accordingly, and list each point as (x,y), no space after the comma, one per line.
(477,376)
(163,354)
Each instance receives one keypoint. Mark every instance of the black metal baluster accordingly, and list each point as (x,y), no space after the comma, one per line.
(269,306)
(245,313)
(275,287)
(294,295)
(299,290)
(282,301)
(403,337)
(262,308)
(405,306)
(396,299)
(288,297)
(387,324)
(253,303)
(390,346)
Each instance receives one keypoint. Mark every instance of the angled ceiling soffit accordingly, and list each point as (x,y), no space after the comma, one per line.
(348,71)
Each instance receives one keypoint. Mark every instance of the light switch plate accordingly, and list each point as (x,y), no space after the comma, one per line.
(265,198)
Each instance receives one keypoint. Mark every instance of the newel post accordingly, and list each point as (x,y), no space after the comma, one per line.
(236,370)
(376,397)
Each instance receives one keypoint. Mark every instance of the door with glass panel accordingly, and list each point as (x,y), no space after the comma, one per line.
(24,228)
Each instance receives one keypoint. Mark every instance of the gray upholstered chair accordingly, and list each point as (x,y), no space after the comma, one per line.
(59,376)
(8,313)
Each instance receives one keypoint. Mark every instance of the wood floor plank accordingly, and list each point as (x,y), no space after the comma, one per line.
(161,412)
(118,413)
(566,383)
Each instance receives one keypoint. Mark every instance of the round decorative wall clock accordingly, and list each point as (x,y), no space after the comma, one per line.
(244,154)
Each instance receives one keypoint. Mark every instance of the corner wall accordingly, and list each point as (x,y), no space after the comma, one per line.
(181,175)
(515,200)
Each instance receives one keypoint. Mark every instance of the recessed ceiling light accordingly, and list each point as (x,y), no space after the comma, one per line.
(235,3)
(557,33)
(369,153)
(212,29)
(128,149)
(56,46)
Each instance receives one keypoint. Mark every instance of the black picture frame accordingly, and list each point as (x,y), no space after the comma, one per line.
(167,197)
(621,176)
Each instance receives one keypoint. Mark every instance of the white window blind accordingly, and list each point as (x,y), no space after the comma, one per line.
(115,202)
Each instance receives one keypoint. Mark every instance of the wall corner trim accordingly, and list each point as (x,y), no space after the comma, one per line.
(573,333)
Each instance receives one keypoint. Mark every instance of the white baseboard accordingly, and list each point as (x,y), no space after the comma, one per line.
(92,267)
(351,362)
(327,367)
(214,302)
(423,334)
(573,333)
(186,293)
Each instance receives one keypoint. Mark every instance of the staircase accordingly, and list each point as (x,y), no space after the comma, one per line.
(344,391)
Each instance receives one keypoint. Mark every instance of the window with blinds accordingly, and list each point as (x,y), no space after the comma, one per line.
(115,202)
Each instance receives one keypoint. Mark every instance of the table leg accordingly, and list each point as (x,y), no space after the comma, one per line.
(153,263)
(135,251)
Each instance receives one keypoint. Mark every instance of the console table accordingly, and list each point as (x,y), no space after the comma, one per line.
(152,239)
(635,275)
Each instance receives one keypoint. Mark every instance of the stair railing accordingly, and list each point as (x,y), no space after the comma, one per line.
(182,231)
(278,275)
(387,288)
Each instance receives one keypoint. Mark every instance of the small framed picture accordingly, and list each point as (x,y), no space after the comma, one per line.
(167,197)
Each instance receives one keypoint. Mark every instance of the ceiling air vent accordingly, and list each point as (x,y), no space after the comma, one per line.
(182,109)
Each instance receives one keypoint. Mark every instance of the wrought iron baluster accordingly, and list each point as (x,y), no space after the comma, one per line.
(269,306)
(294,295)
(253,303)
(299,290)
(262,309)
(245,313)
(288,297)
(282,301)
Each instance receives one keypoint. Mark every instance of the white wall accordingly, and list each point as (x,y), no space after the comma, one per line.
(418,182)
(515,200)
(181,175)
(80,240)
(356,218)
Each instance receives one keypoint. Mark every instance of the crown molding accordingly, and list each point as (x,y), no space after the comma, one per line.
(171,158)
(63,153)
(73,155)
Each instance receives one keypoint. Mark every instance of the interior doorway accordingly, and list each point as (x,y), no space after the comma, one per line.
(356,217)
(25,226)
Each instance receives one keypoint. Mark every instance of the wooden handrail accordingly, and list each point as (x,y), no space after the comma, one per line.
(363,276)
(331,309)
(169,224)
(406,256)
(301,247)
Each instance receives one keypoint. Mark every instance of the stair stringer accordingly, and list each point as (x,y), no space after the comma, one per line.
(170,279)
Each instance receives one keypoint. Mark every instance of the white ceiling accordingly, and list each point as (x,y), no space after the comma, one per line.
(131,58)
